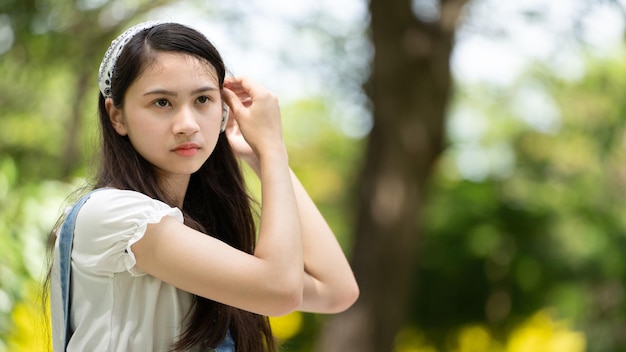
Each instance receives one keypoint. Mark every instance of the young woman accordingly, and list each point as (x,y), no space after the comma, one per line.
(165,253)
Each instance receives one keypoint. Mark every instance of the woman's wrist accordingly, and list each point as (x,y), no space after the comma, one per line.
(274,158)
(271,159)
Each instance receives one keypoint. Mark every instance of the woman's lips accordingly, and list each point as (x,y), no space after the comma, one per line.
(187,149)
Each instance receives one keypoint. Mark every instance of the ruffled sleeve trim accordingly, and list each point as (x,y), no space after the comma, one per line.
(130,261)
(107,226)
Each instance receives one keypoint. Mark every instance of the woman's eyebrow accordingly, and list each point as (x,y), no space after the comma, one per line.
(204,89)
(160,91)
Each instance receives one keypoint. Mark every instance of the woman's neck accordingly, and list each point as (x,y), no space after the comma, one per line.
(176,188)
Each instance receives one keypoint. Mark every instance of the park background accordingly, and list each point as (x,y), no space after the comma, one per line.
(469,154)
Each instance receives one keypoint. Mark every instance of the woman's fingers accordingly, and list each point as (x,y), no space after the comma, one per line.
(230,98)
(256,111)
(244,87)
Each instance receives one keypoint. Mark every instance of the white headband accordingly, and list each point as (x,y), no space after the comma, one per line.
(105,73)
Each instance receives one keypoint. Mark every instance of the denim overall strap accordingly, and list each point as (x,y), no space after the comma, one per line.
(227,345)
(66,237)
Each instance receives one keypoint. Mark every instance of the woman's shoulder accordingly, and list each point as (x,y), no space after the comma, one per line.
(106,193)
(111,204)
(108,223)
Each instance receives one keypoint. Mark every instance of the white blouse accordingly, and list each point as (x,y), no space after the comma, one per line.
(116,306)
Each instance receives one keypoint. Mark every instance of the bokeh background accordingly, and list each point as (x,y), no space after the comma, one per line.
(469,154)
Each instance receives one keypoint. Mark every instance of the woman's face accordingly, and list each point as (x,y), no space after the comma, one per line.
(172,113)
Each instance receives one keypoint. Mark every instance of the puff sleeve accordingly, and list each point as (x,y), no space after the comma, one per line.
(108,224)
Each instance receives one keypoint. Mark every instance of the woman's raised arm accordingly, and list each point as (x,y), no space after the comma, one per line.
(329,284)
(269,282)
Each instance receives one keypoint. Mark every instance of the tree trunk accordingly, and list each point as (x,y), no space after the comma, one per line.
(409,88)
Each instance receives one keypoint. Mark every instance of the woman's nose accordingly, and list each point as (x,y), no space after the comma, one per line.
(185,122)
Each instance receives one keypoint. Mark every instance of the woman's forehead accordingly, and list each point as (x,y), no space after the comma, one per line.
(176,68)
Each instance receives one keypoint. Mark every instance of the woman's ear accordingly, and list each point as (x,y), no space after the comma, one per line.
(115,115)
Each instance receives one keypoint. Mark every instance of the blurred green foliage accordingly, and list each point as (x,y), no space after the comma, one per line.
(533,216)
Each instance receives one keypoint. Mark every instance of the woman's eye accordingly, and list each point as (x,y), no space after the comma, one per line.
(203,99)
(162,103)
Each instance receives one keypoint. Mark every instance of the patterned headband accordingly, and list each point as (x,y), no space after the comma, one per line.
(107,67)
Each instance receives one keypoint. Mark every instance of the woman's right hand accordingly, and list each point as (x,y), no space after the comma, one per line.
(257,115)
